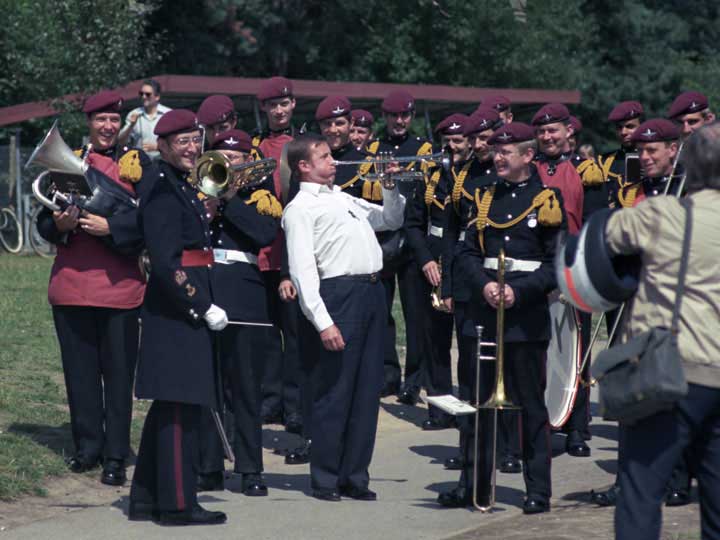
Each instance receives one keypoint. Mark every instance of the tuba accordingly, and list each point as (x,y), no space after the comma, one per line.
(214,174)
(70,181)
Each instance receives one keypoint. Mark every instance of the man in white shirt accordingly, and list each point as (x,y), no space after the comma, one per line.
(139,128)
(334,261)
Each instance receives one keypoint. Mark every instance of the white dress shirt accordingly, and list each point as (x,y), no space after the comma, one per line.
(330,233)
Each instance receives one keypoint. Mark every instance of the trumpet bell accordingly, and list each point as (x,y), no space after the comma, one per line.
(211,174)
(55,155)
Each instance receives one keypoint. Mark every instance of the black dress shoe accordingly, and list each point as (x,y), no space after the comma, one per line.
(214,481)
(113,473)
(273,416)
(435,424)
(299,456)
(294,424)
(677,497)
(535,505)
(197,515)
(359,494)
(510,465)
(77,465)
(454,463)
(455,498)
(253,485)
(607,497)
(141,512)
(326,495)
(409,395)
(390,389)
(575,445)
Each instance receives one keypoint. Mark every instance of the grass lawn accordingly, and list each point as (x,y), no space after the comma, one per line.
(35,438)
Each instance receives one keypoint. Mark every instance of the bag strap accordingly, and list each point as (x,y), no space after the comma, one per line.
(687,203)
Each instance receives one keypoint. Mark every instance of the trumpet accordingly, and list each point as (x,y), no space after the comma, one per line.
(382,161)
(436,294)
(214,174)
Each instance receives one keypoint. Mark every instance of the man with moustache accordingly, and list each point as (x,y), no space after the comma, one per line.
(179,314)
(95,290)
(334,260)
(361,132)
(140,123)
(216,115)
(398,109)
(521,216)
(281,383)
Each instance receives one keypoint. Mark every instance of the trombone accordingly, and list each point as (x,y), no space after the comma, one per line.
(486,416)
(383,160)
(214,174)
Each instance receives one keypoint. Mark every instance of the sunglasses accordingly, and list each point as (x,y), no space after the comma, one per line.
(145,94)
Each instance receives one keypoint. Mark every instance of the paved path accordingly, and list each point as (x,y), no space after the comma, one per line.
(406,472)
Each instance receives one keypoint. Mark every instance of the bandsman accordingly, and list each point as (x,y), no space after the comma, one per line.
(501,105)
(691,111)
(216,115)
(361,131)
(518,214)
(398,110)
(179,314)
(95,291)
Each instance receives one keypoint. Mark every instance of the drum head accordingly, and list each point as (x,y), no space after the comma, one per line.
(564,357)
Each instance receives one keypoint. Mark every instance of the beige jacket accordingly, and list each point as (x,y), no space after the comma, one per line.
(655,229)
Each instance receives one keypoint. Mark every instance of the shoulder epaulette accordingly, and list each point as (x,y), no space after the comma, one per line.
(129,166)
(265,203)
(590,172)
(373,147)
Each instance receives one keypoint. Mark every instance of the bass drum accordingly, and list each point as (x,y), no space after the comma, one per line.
(564,358)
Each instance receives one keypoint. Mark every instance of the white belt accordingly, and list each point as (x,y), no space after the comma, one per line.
(461,237)
(230,256)
(512,265)
(436,231)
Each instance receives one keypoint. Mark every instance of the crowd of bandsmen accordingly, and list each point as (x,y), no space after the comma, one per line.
(511,186)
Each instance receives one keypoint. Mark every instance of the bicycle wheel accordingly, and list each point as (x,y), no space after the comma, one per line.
(11,235)
(38,244)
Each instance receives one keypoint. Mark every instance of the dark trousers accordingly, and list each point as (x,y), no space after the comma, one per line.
(436,334)
(410,285)
(525,386)
(166,469)
(579,419)
(241,364)
(652,447)
(345,386)
(99,350)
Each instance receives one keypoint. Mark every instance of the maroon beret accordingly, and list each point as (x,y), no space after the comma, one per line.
(499,103)
(515,132)
(275,87)
(686,103)
(576,124)
(233,139)
(398,101)
(104,101)
(176,121)
(482,119)
(215,109)
(626,110)
(332,107)
(453,125)
(362,118)
(551,113)
(655,130)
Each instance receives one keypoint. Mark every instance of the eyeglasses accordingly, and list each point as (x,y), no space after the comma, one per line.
(183,142)
(145,94)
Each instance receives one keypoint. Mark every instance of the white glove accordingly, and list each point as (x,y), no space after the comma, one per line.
(216,318)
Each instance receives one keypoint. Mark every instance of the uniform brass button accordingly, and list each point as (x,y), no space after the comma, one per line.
(507,238)
(205,249)
(509,216)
